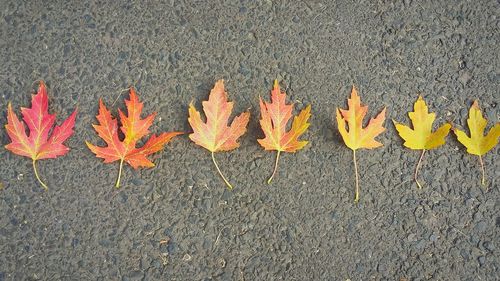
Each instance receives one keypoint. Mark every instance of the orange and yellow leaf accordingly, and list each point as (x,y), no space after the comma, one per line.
(275,116)
(215,134)
(355,136)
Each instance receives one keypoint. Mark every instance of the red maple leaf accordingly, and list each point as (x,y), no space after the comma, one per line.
(38,145)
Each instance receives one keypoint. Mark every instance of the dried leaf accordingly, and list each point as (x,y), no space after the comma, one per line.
(357,136)
(275,116)
(38,145)
(133,128)
(478,144)
(421,136)
(215,134)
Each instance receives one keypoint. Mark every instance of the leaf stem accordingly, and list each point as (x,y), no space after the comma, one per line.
(483,181)
(220,173)
(117,185)
(356,196)
(275,167)
(418,167)
(38,177)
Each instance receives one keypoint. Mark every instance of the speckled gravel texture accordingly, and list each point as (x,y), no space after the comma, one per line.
(177,221)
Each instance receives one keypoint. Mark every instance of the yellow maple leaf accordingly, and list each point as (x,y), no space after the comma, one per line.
(421,136)
(357,136)
(477,143)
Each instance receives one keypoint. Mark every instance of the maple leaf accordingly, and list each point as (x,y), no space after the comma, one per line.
(477,143)
(275,116)
(357,136)
(215,134)
(133,128)
(421,136)
(38,145)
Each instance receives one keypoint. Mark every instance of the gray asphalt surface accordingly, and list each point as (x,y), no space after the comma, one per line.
(177,221)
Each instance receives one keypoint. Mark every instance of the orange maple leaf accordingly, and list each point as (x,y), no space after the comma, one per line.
(215,134)
(275,116)
(38,145)
(133,128)
(357,136)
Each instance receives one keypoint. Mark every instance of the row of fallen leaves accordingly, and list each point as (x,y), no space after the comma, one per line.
(216,135)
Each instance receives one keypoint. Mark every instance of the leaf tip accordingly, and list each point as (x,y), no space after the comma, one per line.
(219,83)
(41,84)
(354,91)
(475,104)
(448,125)
(73,114)
(384,111)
